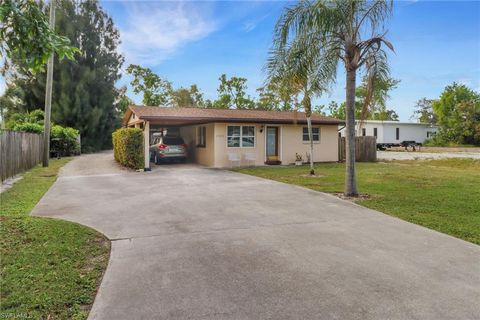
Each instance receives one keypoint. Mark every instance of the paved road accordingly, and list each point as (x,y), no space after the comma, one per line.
(196,243)
(393,155)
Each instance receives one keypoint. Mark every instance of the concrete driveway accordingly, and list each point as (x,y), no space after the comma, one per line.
(196,243)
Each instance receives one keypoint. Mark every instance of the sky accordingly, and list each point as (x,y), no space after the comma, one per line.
(436,43)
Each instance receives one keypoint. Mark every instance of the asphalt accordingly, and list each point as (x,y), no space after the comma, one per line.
(196,243)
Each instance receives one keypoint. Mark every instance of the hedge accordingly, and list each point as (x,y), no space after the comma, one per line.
(63,140)
(128,147)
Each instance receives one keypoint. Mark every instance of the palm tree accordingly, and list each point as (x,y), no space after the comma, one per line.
(291,64)
(348,31)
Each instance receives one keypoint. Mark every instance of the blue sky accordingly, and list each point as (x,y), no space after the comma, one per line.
(436,43)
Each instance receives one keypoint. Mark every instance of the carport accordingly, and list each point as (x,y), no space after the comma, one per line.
(151,123)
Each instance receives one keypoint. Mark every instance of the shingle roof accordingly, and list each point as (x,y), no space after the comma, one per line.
(225,115)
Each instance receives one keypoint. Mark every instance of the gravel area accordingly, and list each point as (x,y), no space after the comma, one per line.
(392,155)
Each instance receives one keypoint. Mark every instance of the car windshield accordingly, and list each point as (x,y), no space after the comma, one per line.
(172,141)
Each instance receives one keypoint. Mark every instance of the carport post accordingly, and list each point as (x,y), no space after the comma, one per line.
(146,143)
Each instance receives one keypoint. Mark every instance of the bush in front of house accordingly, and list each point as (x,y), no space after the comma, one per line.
(63,140)
(128,147)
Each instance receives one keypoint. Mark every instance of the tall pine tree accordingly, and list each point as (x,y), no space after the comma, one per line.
(83,90)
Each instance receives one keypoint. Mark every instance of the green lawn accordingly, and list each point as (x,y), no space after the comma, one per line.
(50,269)
(443,195)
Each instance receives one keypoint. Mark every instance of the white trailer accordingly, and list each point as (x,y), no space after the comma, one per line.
(394,133)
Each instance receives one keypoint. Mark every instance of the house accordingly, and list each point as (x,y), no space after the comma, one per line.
(254,137)
(391,133)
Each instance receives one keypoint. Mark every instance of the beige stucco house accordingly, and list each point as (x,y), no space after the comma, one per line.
(226,137)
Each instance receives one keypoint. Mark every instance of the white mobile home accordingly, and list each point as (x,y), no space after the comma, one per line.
(392,133)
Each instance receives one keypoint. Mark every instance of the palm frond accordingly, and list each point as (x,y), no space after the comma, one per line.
(377,70)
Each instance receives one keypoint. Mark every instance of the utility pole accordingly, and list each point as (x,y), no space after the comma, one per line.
(48,94)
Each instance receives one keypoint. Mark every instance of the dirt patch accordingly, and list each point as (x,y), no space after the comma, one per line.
(361,196)
(8,183)
(439,149)
(312,176)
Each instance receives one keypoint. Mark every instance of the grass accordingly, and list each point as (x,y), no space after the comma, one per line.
(443,195)
(50,269)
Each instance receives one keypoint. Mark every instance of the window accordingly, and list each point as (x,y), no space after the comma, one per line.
(315,134)
(430,134)
(375,132)
(172,141)
(241,136)
(398,133)
(364,132)
(201,134)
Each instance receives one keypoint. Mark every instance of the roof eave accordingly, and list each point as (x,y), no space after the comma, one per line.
(196,120)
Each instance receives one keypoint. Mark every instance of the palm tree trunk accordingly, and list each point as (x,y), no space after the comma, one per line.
(310,137)
(350,180)
(307,105)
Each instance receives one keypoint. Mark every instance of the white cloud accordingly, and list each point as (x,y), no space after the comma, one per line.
(249,26)
(152,32)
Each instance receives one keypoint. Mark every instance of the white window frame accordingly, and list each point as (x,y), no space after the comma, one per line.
(201,129)
(313,134)
(241,136)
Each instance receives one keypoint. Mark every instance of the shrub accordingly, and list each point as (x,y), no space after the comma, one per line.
(29,127)
(128,147)
(64,140)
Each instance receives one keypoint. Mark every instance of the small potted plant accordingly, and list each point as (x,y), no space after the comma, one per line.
(298,159)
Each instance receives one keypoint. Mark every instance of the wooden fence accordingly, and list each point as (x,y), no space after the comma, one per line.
(19,151)
(365,149)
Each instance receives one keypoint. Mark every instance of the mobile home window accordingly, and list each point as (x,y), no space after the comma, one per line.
(240,136)
(315,134)
(375,132)
(201,136)
(397,132)
(364,132)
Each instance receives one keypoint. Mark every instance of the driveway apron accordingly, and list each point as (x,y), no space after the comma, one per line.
(195,243)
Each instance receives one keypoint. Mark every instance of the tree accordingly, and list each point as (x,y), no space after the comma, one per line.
(231,93)
(25,35)
(122,101)
(191,97)
(299,70)
(85,89)
(372,98)
(319,109)
(32,119)
(336,110)
(277,95)
(156,91)
(424,111)
(384,115)
(333,32)
(458,112)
